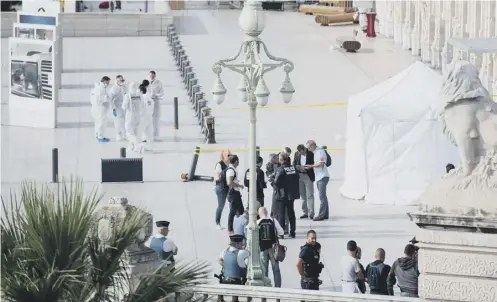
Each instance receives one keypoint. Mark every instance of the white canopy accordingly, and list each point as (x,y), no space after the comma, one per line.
(395,145)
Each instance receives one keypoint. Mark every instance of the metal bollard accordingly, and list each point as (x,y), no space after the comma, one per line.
(183,58)
(192,83)
(193,166)
(172,37)
(201,104)
(204,112)
(175,125)
(55,165)
(188,77)
(122,152)
(181,52)
(177,49)
(183,65)
(187,70)
(257,151)
(210,134)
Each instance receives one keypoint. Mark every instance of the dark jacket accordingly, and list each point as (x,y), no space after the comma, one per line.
(309,160)
(286,183)
(383,277)
(261,182)
(405,271)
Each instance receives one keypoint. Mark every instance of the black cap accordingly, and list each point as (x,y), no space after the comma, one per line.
(162,224)
(237,238)
(413,240)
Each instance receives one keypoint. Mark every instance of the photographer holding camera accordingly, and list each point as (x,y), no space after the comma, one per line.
(308,264)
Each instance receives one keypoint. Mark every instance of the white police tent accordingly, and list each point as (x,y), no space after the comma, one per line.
(395,145)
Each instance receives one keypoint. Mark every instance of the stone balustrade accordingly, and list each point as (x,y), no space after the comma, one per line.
(424,27)
(263,294)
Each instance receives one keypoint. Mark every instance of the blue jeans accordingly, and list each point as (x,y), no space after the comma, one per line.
(221,200)
(266,257)
(324,210)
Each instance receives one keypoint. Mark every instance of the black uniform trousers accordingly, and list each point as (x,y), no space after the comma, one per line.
(283,207)
(236,207)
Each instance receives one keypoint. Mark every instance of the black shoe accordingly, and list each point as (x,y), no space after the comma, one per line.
(311,217)
(281,237)
(304,216)
(286,232)
(292,235)
(318,218)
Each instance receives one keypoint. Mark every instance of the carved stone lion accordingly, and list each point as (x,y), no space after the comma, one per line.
(469,120)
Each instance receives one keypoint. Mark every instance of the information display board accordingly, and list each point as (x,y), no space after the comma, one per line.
(34,71)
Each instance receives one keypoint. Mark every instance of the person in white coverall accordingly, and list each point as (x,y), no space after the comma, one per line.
(117,93)
(132,106)
(100,103)
(157,93)
(147,122)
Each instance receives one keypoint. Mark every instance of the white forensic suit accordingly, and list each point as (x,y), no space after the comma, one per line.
(147,122)
(117,93)
(132,106)
(100,103)
(157,94)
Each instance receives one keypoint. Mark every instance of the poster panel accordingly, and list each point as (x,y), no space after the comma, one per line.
(33,83)
(35,32)
(37,18)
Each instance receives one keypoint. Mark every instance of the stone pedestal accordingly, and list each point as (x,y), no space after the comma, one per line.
(457,257)
(139,259)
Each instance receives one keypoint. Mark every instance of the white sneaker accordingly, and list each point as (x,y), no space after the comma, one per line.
(219,227)
(120,138)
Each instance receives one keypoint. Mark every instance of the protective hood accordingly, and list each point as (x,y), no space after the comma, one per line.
(407,263)
(133,90)
(460,81)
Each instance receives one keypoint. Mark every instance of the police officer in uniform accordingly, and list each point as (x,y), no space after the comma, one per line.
(286,190)
(308,265)
(163,246)
(232,260)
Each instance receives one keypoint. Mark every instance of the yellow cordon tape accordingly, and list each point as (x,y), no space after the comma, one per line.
(261,149)
(333,104)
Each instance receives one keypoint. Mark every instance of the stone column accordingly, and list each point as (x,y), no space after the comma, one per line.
(398,13)
(381,16)
(426,31)
(407,25)
(140,260)
(436,46)
(416,31)
(494,56)
(459,27)
(487,30)
(448,16)
(474,20)
(389,25)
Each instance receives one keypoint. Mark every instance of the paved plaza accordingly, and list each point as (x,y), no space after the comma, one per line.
(322,74)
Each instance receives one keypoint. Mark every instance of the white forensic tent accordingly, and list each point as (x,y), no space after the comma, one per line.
(395,145)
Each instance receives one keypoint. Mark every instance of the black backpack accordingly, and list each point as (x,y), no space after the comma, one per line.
(223,181)
(328,159)
(267,232)
(374,276)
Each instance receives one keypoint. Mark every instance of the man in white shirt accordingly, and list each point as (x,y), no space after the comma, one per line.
(351,270)
(322,177)
(234,193)
(163,246)
(232,260)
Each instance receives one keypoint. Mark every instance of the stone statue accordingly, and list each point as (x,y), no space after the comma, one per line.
(469,120)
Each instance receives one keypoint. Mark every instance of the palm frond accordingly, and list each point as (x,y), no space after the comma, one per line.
(170,279)
(52,227)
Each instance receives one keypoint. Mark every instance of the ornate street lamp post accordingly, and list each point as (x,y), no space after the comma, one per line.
(253,90)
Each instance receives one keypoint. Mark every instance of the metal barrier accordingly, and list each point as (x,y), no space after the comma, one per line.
(198,102)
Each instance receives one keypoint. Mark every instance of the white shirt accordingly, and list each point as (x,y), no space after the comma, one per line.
(233,173)
(279,229)
(167,246)
(240,258)
(320,157)
(350,268)
(303,158)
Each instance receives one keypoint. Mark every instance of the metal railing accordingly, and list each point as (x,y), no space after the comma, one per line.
(225,292)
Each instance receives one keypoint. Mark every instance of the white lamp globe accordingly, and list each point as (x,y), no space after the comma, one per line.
(242,90)
(287,90)
(218,91)
(262,93)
